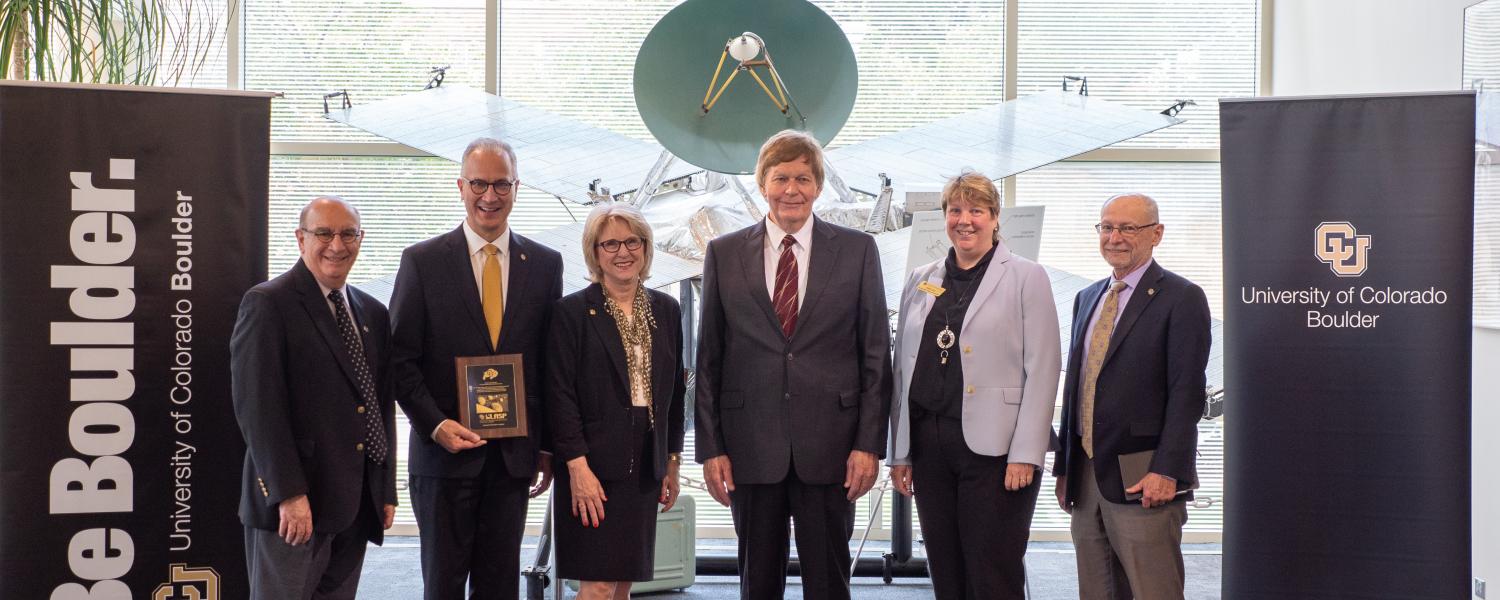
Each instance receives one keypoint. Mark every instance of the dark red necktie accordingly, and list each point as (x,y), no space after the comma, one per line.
(785,298)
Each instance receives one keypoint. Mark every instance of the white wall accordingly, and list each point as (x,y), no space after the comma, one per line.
(1366,46)
(1486,477)
(1376,46)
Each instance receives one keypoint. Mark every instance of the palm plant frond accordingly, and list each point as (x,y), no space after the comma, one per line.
(142,42)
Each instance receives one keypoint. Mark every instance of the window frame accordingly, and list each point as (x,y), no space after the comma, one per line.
(235,50)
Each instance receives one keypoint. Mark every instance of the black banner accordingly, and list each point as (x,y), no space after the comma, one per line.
(131,221)
(1348,245)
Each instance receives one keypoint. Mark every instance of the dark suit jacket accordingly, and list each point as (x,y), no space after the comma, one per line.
(436,316)
(297,402)
(588,394)
(768,401)
(1150,391)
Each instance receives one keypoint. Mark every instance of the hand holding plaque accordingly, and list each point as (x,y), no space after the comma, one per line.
(492,395)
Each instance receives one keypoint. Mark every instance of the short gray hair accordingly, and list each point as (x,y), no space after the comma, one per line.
(490,144)
(594,227)
(1151,211)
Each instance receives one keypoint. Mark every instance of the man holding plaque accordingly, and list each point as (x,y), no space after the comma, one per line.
(474,300)
(793,377)
(1131,403)
(311,393)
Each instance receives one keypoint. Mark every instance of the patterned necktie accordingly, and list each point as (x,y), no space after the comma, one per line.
(785,298)
(1098,345)
(374,428)
(491,295)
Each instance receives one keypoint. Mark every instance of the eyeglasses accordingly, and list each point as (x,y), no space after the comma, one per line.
(348,236)
(1125,230)
(612,246)
(502,186)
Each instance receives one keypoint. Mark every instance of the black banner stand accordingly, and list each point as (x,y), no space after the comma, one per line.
(131,221)
(1348,249)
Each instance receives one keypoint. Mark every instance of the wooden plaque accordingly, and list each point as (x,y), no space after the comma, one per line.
(492,395)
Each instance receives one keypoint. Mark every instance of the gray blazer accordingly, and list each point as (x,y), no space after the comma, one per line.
(768,401)
(1011,357)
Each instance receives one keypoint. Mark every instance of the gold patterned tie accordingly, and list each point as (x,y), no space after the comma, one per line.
(1098,345)
(491,295)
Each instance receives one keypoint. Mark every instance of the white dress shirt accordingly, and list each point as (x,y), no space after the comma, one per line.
(801,249)
(343,291)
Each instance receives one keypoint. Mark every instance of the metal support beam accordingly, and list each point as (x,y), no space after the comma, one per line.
(653,180)
(836,182)
(750,205)
(880,220)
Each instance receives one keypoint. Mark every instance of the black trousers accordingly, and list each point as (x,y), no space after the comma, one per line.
(824,518)
(471,531)
(975,531)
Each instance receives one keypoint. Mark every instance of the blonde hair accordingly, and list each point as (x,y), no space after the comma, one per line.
(785,147)
(977,189)
(593,227)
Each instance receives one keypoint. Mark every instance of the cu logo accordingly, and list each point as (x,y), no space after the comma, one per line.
(1341,248)
(188,583)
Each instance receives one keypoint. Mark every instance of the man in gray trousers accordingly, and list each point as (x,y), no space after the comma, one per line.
(308,364)
(793,378)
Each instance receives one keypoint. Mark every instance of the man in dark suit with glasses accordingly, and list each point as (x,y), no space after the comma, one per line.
(1133,395)
(311,393)
(478,290)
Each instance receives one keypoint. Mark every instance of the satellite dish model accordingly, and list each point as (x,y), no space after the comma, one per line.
(708,89)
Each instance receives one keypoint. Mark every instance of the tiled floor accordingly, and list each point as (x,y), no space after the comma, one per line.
(394,572)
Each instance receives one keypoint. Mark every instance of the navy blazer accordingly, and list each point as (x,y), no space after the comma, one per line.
(436,316)
(297,402)
(588,390)
(1151,387)
(767,400)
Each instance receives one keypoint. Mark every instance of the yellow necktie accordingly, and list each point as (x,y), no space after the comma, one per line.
(492,295)
(1098,345)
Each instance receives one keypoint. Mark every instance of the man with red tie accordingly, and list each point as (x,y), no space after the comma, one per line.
(793,378)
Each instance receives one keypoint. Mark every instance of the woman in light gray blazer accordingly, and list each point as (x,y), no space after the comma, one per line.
(976,370)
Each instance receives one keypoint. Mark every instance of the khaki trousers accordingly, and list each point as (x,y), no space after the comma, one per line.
(1125,550)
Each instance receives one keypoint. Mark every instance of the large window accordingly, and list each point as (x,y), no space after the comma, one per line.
(373,50)
(1147,54)
(919,60)
(1188,194)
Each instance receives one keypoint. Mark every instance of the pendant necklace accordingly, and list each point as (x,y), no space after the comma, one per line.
(946,337)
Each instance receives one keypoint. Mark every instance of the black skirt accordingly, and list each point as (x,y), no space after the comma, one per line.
(623,547)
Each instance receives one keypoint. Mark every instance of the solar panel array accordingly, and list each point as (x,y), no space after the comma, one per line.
(557,155)
(999,140)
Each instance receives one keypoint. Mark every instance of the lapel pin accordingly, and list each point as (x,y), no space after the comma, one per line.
(593,312)
(523,257)
(366,328)
(1151,292)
